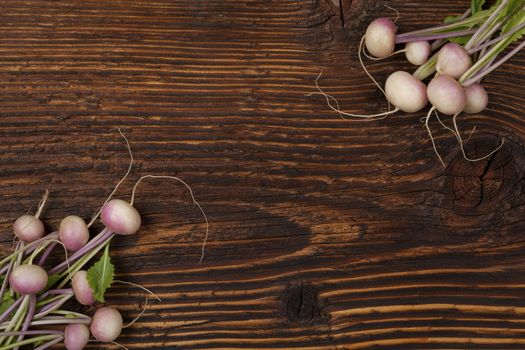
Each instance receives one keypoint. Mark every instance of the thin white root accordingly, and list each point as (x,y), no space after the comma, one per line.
(471,132)
(192,197)
(119,345)
(139,315)
(337,108)
(66,256)
(382,58)
(457,134)
(140,287)
(460,140)
(432,137)
(94,218)
(359,52)
(145,303)
(42,204)
(395,10)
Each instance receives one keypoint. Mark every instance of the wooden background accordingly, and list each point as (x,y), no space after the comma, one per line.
(325,233)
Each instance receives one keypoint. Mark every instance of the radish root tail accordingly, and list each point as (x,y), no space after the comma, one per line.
(427,119)
(139,315)
(329,98)
(192,197)
(395,10)
(458,136)
(94,218)
(42,204)
(140,287)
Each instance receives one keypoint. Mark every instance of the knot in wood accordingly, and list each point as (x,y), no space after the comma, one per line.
(481,184)
(301,304)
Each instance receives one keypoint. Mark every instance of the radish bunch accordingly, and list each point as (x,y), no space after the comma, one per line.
(453,58)
(33,293)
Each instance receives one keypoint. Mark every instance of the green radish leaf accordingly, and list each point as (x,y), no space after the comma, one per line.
(476,6)
(461,40)
(451,19)
(7,301)
(512,23)
(512,7)
(52,280)
(100,275)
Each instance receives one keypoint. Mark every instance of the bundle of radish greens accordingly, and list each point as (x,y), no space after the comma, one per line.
(455,56)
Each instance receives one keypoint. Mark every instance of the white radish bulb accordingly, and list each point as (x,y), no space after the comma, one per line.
(380,37)
(453,60)
(477,98)
(28,228)
(417,52)
(406,92)
(107,324)
(28,279)
(120,217)
(73,233)
(76,336)
(445,93)
(81,288)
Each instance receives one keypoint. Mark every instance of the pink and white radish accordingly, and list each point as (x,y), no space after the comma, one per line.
(76,336)
(446,94)
(417,52)
(28,279)
(406,92)
(81,288)
(73,233)
(477,98)
(106,324)
(120,217)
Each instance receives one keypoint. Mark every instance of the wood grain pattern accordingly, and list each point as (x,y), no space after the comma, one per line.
(325,233)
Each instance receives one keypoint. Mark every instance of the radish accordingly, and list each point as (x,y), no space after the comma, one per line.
(446,94)
(477,98)
(28,228)
(380,37)
(73,233)
(120,217)
(76,336)
(28,279)
(417,52)
(83,292)
(405,92)
(107,324)
(453,60)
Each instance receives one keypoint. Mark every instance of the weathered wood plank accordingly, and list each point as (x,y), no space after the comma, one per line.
(325,233)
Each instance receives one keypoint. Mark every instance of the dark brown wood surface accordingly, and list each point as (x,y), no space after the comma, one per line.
(324,233)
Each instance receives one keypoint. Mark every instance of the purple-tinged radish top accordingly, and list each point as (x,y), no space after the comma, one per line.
(120,217)
(107,324)
(406,92)
(73,233)
(477,98)
(380,37)
(445,93)
(28,228)
(28,279)
(417,52)
(453,60)
(76,336)
(81,288)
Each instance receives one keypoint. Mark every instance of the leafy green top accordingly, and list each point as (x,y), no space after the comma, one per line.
(100,275)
